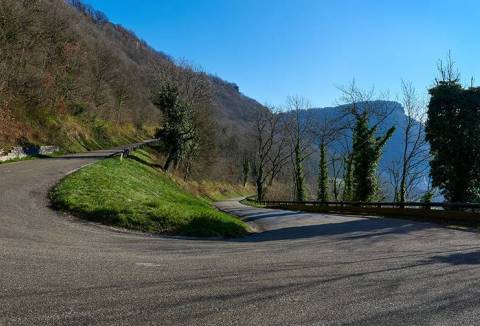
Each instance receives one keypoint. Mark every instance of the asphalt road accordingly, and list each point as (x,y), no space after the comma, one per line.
(300,269)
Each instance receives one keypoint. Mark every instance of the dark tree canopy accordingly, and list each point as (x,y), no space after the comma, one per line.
(453,131)
(179,132)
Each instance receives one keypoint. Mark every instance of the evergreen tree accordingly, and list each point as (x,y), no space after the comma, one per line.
(300,131)
(453,131)
(322,194)
(179,133)
(367,149)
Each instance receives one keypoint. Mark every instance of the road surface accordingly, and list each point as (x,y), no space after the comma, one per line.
(300,269)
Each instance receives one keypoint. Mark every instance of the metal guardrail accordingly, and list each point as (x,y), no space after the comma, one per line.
(125,151)
(473,207)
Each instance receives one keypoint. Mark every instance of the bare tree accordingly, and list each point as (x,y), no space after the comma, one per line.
(360,101)
(193,83)
(271,149)
(328,130)
(415,150)
(301,133)
(447,70)
(393,170)
(336,166)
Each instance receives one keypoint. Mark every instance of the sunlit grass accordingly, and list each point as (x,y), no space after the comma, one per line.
(134,195)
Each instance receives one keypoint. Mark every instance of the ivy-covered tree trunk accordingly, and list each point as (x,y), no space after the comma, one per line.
(367,149)
(245,170)
(171,158)
(322,193)
(298,174)
(348,178)
(259,183)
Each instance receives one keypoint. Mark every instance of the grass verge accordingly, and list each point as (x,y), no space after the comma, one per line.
(134,195)
(216,191)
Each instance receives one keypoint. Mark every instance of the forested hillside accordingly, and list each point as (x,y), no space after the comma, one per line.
(71,78)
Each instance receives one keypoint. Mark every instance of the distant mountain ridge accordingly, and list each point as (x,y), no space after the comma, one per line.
(394,147)
(396,118)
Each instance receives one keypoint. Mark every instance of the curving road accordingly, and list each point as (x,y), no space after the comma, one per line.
(300,269)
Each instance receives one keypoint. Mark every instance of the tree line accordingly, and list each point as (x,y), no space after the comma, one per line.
(443,131)
(69,77)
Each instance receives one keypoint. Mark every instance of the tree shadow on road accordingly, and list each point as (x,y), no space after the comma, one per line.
(259,216)
(351,230)
(461,258)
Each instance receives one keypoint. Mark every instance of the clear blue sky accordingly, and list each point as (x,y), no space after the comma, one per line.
(275,48)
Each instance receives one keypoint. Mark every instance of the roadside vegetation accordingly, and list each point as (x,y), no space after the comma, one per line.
(69,77)
(216,190)
(134,194)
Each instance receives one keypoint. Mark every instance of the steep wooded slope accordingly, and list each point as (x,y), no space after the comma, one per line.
(69,77)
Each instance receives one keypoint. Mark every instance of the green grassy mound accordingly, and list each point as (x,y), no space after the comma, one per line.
(132,194)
